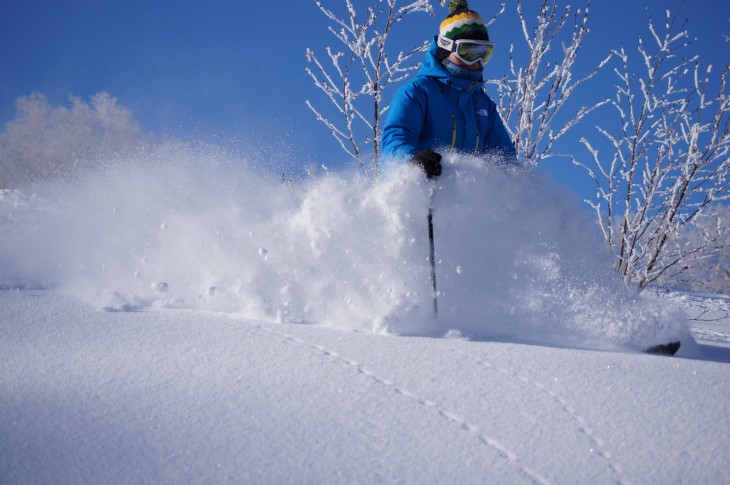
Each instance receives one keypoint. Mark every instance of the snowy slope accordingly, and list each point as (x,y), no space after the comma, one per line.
(180,396)
(184,318)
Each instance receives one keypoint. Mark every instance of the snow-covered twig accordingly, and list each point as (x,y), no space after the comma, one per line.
(531,100)
(365,61)
(669,161)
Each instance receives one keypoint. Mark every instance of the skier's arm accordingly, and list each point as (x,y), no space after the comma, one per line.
(405,121)
(498,139)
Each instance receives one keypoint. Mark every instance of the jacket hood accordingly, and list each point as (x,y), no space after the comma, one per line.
(431,67)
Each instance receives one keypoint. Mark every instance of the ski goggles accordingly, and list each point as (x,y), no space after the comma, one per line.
(468,51)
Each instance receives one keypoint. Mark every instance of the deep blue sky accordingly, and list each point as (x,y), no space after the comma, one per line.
(236,70)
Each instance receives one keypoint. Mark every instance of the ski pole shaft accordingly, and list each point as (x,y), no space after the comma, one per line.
(432,257)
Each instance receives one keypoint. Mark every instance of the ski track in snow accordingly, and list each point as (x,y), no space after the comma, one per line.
(450,416)
(709,335)
(597,444)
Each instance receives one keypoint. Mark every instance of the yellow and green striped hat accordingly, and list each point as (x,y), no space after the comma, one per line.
(463,23)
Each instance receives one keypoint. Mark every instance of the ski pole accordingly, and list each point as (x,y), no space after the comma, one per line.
(432,257)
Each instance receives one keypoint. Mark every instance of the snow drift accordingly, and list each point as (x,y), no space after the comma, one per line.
(199,228)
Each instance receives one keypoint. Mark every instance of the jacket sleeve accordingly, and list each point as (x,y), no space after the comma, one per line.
(405,122)
(498,139)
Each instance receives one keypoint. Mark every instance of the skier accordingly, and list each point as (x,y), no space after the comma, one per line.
(445,106)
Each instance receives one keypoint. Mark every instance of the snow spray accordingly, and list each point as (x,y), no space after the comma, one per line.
(201,229)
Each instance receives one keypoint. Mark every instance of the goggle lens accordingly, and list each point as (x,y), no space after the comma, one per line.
(472,52)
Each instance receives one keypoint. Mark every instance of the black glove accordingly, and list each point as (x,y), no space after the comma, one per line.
(429,161)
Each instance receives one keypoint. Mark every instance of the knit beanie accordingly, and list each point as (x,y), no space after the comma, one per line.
(461,23)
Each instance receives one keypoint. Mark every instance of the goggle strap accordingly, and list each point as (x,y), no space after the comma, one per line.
(447,44)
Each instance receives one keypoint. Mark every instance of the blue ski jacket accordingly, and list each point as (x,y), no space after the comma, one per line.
(438,111)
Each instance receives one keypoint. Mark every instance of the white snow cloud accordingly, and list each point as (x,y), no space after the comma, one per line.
(516,258)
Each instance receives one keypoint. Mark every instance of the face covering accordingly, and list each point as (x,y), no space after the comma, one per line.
(462,72)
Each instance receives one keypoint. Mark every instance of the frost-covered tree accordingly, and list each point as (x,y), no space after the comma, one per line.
(363,67)
(45,142)
(711,273)
(667,160)
(541,81)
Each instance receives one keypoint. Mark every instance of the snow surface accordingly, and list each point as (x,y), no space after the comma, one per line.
(184,318)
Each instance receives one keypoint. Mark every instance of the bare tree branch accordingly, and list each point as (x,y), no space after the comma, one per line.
(364,60)
(669,163)
(531,100)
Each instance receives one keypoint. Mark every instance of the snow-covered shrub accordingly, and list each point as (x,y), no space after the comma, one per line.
(45,142)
